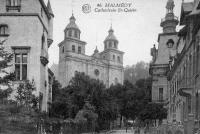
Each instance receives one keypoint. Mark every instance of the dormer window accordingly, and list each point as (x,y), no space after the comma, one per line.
(3,30)
(13,5)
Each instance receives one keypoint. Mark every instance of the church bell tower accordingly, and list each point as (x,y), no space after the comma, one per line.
(170,21)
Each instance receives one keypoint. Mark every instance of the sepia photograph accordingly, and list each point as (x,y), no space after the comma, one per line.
(99,66)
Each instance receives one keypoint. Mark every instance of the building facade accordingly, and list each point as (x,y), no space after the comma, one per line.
(107,66)
(183,82)
(26,28)
(166,49)
(183,77)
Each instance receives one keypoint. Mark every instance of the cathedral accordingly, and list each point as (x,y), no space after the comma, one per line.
(107,66)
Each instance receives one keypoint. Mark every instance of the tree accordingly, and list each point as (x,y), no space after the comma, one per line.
(137,71)
(5,76)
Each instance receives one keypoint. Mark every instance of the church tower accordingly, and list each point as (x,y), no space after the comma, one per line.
(72,37)
(71,46)
(170,21)
(111,51)
(167,41)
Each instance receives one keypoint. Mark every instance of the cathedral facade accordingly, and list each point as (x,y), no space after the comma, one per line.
(107,66)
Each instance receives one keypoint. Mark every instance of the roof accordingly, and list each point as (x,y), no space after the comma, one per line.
(111,35)
(186,8)
(195,10)
(49,8)
(198,7)
(72,23)
(45,8)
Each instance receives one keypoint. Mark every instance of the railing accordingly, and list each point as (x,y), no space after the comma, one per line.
(169,18)
(13,5)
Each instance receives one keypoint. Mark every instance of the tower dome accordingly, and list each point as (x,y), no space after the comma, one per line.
(72,30)
(170,21)
(111,41)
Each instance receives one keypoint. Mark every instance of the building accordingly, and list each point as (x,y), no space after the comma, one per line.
(26,28)
(161,56)
(183,77)
(106,66)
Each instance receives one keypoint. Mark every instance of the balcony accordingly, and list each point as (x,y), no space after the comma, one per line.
(169,18)
(44,57)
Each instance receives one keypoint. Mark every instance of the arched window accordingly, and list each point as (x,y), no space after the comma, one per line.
(116,81)
(73,48)
(115,45)
(113,57)
(118,58)
(110,44)
(3,30)
(70,33)
(76,34)
(79,50)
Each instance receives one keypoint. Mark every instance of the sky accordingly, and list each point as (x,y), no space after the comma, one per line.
(136,31)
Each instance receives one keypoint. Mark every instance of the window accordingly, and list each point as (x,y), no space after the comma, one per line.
(116,81)
(113,57)
(13,5)
(21,61)
(76,34)
(189,104)
(79,50)
(43,41)
(197,105)
(118,58)
(110,44)
(170,43)
(40,101)
(70,33)
(160,94)
(197,59)
(115,44)
(3,30)
(96,72)
(42,12)
(63,49)
(73,48)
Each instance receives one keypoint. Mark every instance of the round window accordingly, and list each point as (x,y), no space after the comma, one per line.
(96,72)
